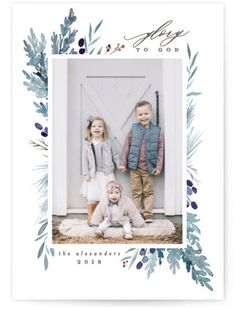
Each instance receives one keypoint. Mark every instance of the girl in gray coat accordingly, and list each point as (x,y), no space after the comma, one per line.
(98,162)
(116,210)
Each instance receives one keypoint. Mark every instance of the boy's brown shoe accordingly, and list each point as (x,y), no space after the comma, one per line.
(148,218)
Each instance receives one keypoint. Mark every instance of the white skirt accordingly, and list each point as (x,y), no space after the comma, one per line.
(94,189)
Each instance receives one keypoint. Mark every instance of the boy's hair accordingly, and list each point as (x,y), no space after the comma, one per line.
(112,184)
(143,103)
(88,136)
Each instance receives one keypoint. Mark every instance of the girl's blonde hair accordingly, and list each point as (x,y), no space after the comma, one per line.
(88,136)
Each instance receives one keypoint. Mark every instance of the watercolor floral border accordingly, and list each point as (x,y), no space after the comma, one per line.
(37,81)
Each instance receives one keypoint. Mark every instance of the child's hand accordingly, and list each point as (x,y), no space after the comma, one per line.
(121,169)
(157,172)
(87,178)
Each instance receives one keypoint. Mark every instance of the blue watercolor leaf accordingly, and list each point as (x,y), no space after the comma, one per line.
(40,237)
(45,262)
(94,41)
(52,251)
(41,250)
(189,51)
(90,32)
(42,228)
(133,258)
(193,94)
(99,51)
(193,61)
(98,26)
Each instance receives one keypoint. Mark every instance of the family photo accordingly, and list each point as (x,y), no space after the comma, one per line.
(118,151)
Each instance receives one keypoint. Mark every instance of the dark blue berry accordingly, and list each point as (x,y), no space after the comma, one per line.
(189,183)
(139,265)
(81,42)
(46,130)
(44,134)
(142,252)
(152,250)
(194,189)
(38,126)
(145,259)
(82,51)
(194,205)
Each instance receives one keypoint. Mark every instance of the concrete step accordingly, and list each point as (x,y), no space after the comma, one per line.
(79,228)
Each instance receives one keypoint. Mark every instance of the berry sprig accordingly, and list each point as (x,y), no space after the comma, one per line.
(81,44)
(144,257)
(44,130)
(124,263)
(119,47)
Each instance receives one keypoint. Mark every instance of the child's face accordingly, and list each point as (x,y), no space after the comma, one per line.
(114,195)
(97,129)
(144,114)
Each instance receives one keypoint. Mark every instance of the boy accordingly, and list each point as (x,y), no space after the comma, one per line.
(143,155)
(115,209)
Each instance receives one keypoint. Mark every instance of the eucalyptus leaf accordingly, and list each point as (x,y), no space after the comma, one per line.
(41,250)
(40,237)
(52,251)
(94,41)
(193,93)
(130,250)
(98,26)
(133,259)
(209,286)
(45,262)
(42,228)
(189,51)
(192,74)
(42,221)
(47,250)
(126,258)
(193,61)
(90,32)
(99,51)
(91,52)
(189,84)
(85,43)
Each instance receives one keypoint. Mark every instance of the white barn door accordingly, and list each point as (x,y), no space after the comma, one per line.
(110,88)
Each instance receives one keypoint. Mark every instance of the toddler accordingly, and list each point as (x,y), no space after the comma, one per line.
(116,210)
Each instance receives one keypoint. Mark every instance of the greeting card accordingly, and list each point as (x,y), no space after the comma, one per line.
(117,153)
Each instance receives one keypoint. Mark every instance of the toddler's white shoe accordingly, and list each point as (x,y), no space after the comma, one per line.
(99,232)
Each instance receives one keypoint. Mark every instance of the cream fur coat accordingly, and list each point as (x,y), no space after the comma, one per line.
(127,212)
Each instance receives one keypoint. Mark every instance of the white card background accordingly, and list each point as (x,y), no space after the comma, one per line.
(64,279)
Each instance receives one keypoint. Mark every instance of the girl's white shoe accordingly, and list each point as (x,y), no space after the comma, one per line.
(128,236)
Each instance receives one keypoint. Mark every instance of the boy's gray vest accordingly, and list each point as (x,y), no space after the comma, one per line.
(151,137)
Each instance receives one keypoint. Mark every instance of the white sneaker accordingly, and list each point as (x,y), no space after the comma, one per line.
(99,232)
